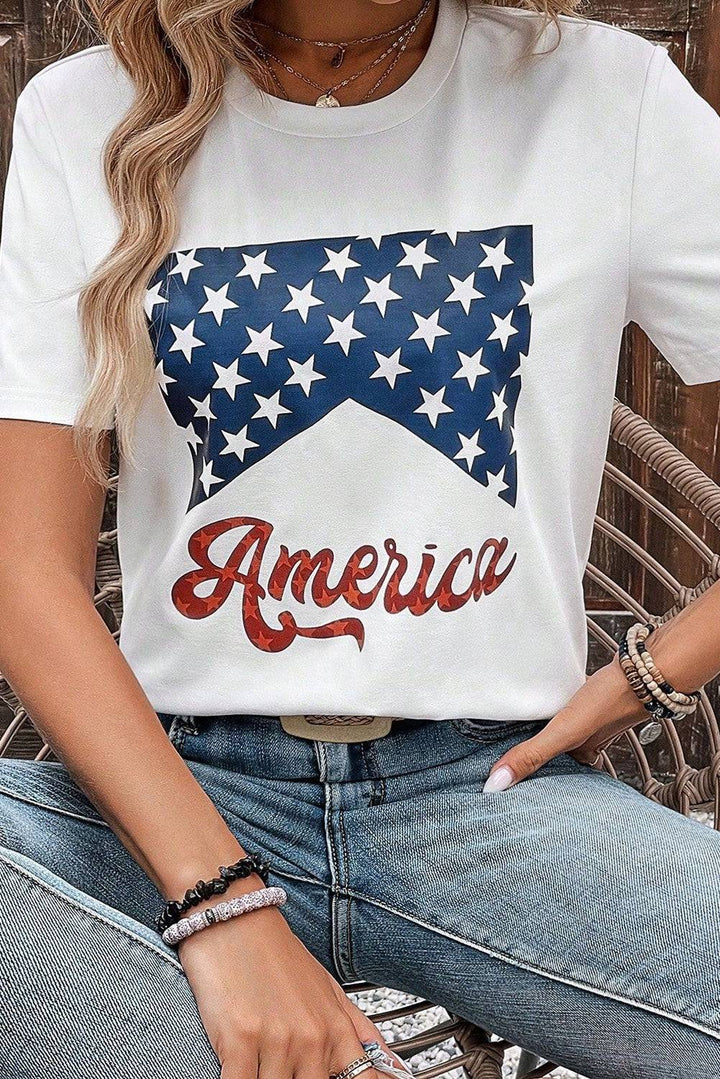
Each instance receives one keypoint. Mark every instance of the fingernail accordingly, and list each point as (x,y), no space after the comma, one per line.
(499,780)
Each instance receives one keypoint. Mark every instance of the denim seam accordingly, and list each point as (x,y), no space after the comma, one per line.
(104,824)
(91,913)
(377,780)
(632,1001)
(348,897)
(298,876)
(53,809)
(333,864)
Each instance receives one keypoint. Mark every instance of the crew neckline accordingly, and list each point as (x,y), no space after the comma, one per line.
(298,118)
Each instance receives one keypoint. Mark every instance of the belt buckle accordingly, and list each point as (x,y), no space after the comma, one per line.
(337,728)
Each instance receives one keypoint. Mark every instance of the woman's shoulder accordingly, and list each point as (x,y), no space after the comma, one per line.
(80,94)
(595,64)
(579,34)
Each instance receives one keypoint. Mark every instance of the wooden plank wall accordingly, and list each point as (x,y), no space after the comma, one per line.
(35,32)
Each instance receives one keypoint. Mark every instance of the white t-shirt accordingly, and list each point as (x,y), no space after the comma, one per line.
(387,339)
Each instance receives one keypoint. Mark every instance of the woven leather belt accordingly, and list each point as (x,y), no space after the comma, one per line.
(338,728)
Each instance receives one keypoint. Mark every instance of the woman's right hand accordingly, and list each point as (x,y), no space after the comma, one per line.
(269,1008)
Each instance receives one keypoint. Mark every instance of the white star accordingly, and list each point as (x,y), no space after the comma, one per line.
(417,256)
(470,449)
(228,378)
(343,332)
(163,379)
(206,477)
(376,238)
(389,367)
(153,298)
(471,368)
(464,291)
(498,410)
(302,300)
(238,444)
(433,405)
(518,370)
(503,329)
(496,257)
(428,329)
(304,374)
(496,481)
(339,261)
(270,408)
(255,266)
(452,234)
(185,340)
(192,437)
(185,263)
(202,408)
(528,296)
(261,341)
(379,292)
(217,302)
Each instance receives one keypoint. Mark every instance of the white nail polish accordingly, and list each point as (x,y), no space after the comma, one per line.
(500,780)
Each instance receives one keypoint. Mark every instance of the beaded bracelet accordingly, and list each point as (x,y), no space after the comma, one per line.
(221,912)
(657,695)
(204,889)
(674,699)
(655,707)
(648,680)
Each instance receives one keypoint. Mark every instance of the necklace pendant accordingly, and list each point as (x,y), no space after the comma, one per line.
(326,101)
(338,57)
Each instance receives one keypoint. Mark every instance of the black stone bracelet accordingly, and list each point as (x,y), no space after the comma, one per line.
(204,889)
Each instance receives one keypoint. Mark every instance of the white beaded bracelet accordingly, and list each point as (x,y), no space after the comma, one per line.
(223,911)
(677,701)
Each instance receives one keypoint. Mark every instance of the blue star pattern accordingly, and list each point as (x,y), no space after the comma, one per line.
(255,344)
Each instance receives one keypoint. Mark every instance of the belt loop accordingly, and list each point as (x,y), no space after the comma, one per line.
(189,724)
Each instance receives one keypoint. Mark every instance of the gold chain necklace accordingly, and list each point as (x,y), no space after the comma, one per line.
(340,46)
(327,98)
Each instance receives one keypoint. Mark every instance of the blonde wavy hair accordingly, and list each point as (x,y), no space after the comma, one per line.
(176,52)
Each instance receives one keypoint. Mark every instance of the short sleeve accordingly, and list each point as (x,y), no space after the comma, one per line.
(674,259)
(42,359)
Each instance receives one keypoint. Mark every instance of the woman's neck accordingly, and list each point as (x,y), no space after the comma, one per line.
(328,20)
(332,21)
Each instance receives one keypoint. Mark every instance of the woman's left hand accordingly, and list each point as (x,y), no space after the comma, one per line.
(686,648)
(598,712)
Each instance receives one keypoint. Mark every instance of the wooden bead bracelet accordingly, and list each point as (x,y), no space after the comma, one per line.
(658,696)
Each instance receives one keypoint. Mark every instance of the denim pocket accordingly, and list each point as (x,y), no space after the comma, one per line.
(491,730)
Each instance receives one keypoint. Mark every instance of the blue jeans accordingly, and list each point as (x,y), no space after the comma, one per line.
(570,914)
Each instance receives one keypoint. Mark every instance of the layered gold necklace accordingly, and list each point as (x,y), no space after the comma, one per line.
(327,98)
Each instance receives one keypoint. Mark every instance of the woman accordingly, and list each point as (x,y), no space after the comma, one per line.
(349,282)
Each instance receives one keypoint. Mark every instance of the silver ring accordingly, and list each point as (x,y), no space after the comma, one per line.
(360,1064)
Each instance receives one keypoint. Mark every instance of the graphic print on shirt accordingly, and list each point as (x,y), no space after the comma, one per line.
(256,344)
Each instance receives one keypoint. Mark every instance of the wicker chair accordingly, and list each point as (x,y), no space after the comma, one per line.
(681,769)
